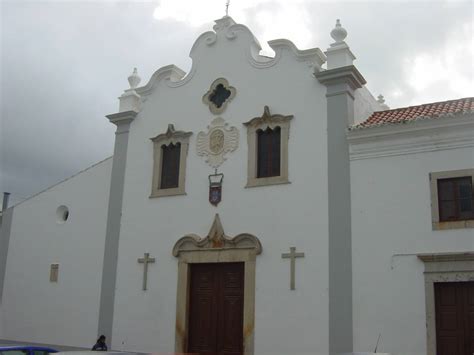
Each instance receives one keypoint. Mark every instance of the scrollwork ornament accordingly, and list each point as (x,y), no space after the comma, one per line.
(211,39)
(217,142)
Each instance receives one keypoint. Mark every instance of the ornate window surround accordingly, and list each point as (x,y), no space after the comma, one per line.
(212,107)
(442,267)
(171,136)
(436,224)
(216,247)
(263,122)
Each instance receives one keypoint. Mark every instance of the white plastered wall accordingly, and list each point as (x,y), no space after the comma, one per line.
(280,216)
(364,104)
(63,313)
(391,214)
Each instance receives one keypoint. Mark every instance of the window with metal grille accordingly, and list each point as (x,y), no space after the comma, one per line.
(268,152)
(455,199)
(170,156)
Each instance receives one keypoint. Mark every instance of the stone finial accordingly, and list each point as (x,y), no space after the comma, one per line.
(339,54)
(134,79)
(130,100)
(339,33)
(381,101)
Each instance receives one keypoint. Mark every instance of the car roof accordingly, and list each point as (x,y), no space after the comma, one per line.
(26,347)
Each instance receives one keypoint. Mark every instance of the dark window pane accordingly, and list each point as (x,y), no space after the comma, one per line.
(465,205)
(445,189)
(170,166)
(263,153)
(447,211)
(465,189)
(455,199)
(268,152)
(276,137)
(219,95)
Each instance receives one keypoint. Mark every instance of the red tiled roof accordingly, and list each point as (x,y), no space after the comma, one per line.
(412,113)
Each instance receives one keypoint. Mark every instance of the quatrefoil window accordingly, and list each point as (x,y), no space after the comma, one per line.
(219,95)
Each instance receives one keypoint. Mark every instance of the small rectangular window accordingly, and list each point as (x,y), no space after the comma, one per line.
(268,152)
(455,199)
(170,156)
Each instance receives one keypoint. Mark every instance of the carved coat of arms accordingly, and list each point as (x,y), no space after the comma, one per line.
(219,140)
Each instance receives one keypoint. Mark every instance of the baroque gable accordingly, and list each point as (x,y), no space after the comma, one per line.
(243,43)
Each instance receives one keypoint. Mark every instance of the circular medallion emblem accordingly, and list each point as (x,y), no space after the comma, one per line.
(216,141)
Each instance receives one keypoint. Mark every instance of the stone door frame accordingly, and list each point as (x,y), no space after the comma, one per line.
(216,247)
(442,267)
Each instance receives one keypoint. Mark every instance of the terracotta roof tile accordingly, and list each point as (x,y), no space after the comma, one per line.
(413,113)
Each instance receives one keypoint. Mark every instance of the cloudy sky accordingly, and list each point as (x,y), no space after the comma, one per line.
(64,63)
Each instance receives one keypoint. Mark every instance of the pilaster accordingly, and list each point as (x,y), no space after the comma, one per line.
(341,83)
(109,269)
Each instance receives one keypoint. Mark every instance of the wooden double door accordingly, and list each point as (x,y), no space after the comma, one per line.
(216,304)
(454,303)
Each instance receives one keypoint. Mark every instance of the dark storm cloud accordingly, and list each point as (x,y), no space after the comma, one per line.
(63,67)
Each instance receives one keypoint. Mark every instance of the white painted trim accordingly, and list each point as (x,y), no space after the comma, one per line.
(410,138)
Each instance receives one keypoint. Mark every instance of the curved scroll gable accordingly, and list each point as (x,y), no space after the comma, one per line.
(226,29)
(209,38)
(313,55)
(170,73)
(216,240)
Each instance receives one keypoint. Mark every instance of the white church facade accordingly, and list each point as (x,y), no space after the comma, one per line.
(255,205)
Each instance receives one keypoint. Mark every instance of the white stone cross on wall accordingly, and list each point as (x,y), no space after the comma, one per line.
(292,255)
(145,261)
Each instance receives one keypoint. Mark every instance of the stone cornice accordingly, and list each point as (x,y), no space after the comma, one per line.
(414,137)
(446,257)
(121,118)
(343,75)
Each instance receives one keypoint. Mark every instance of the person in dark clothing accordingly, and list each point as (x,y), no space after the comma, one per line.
(100,344)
